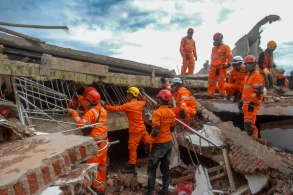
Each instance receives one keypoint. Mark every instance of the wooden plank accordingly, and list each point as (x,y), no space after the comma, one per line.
(45,65)
(221,175)
(184,178)
(78,66)
(217,168)
(33,26)
(21,35)
(25,59)
(229,170)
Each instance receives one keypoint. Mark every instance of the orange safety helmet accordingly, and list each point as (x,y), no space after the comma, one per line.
(165,94)
(217,36)
(88,89)
(190,30)
(249,59)
(93,96)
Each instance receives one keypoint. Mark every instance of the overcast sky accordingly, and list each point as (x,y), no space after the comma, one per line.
(150,31)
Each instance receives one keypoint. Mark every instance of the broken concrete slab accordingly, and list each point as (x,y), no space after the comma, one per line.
(257,182)
(280,138)
(78,179)
(272,109)
(203,184)
(30,166)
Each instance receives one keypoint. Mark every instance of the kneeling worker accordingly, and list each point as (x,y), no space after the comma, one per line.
(163,122)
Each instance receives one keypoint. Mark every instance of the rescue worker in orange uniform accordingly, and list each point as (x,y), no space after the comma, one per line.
(280,80)
(163,122)
(237,75)
(95,114)
(266,63)
(188,52)
(252,96)
(137,129)
(81,96)
(186,105)
(220,62)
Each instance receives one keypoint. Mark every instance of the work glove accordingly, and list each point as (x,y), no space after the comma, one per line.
(155,131)
(266,71)
(147,148)
(195,57)
(182,114)
(240,105)
(187,57)
(217,71)
(163,80)
(251,107)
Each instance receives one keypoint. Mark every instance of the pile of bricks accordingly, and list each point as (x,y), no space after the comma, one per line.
(247,156)
(78,179)
(30,166)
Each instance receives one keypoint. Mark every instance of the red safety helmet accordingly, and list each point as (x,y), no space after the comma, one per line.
(93,96)
(249,59)
(165,94)
(190,30)
(217,36)
(88,89)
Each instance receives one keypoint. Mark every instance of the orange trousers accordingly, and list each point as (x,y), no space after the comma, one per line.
(250,117)
(133,142)
(188,64)
(231,88)
(213,80)
(101,159)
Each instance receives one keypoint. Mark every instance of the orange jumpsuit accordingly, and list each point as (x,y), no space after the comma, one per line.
(187,48)
(221,55)
(252,82)
(185,101)
(97,115)
(137,130)
(281,80)
(235,80)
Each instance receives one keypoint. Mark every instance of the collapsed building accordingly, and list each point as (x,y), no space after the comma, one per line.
(42,150)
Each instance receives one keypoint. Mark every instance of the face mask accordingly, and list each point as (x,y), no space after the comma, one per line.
(249,67)
(217,42)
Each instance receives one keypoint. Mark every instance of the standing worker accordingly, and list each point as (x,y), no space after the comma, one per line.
(95,114)
(137,129)
(163,122)
(186,106)
(281,80)
(188,53)
(266,63)
(220,62)
(252,96)
(237,75)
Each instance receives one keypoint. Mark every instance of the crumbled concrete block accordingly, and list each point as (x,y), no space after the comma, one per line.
(29,166)
(257,182)
(78,179)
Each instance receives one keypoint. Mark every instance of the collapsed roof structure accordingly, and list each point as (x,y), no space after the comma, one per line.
(41,81)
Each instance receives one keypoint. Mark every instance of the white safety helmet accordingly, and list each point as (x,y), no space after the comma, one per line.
(237,60)
(175,80)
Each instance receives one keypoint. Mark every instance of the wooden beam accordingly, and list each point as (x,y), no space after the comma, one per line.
(23,53)
(213,169)
(184,178)
(229,170)
(21,35)
(33,26)
(221,175)
(25,59)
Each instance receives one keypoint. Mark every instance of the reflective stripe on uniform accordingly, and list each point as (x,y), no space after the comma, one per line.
(102,168)
(222,92)
(257,84)
(212,81)
(187,97)
(253,95)
(96,114)
(85,121)
(77,118)
(210,92)
(248,87)
(100,136)
(221,79)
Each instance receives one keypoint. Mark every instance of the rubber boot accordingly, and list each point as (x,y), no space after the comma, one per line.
(236,97)
(129,170)
(228,97)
